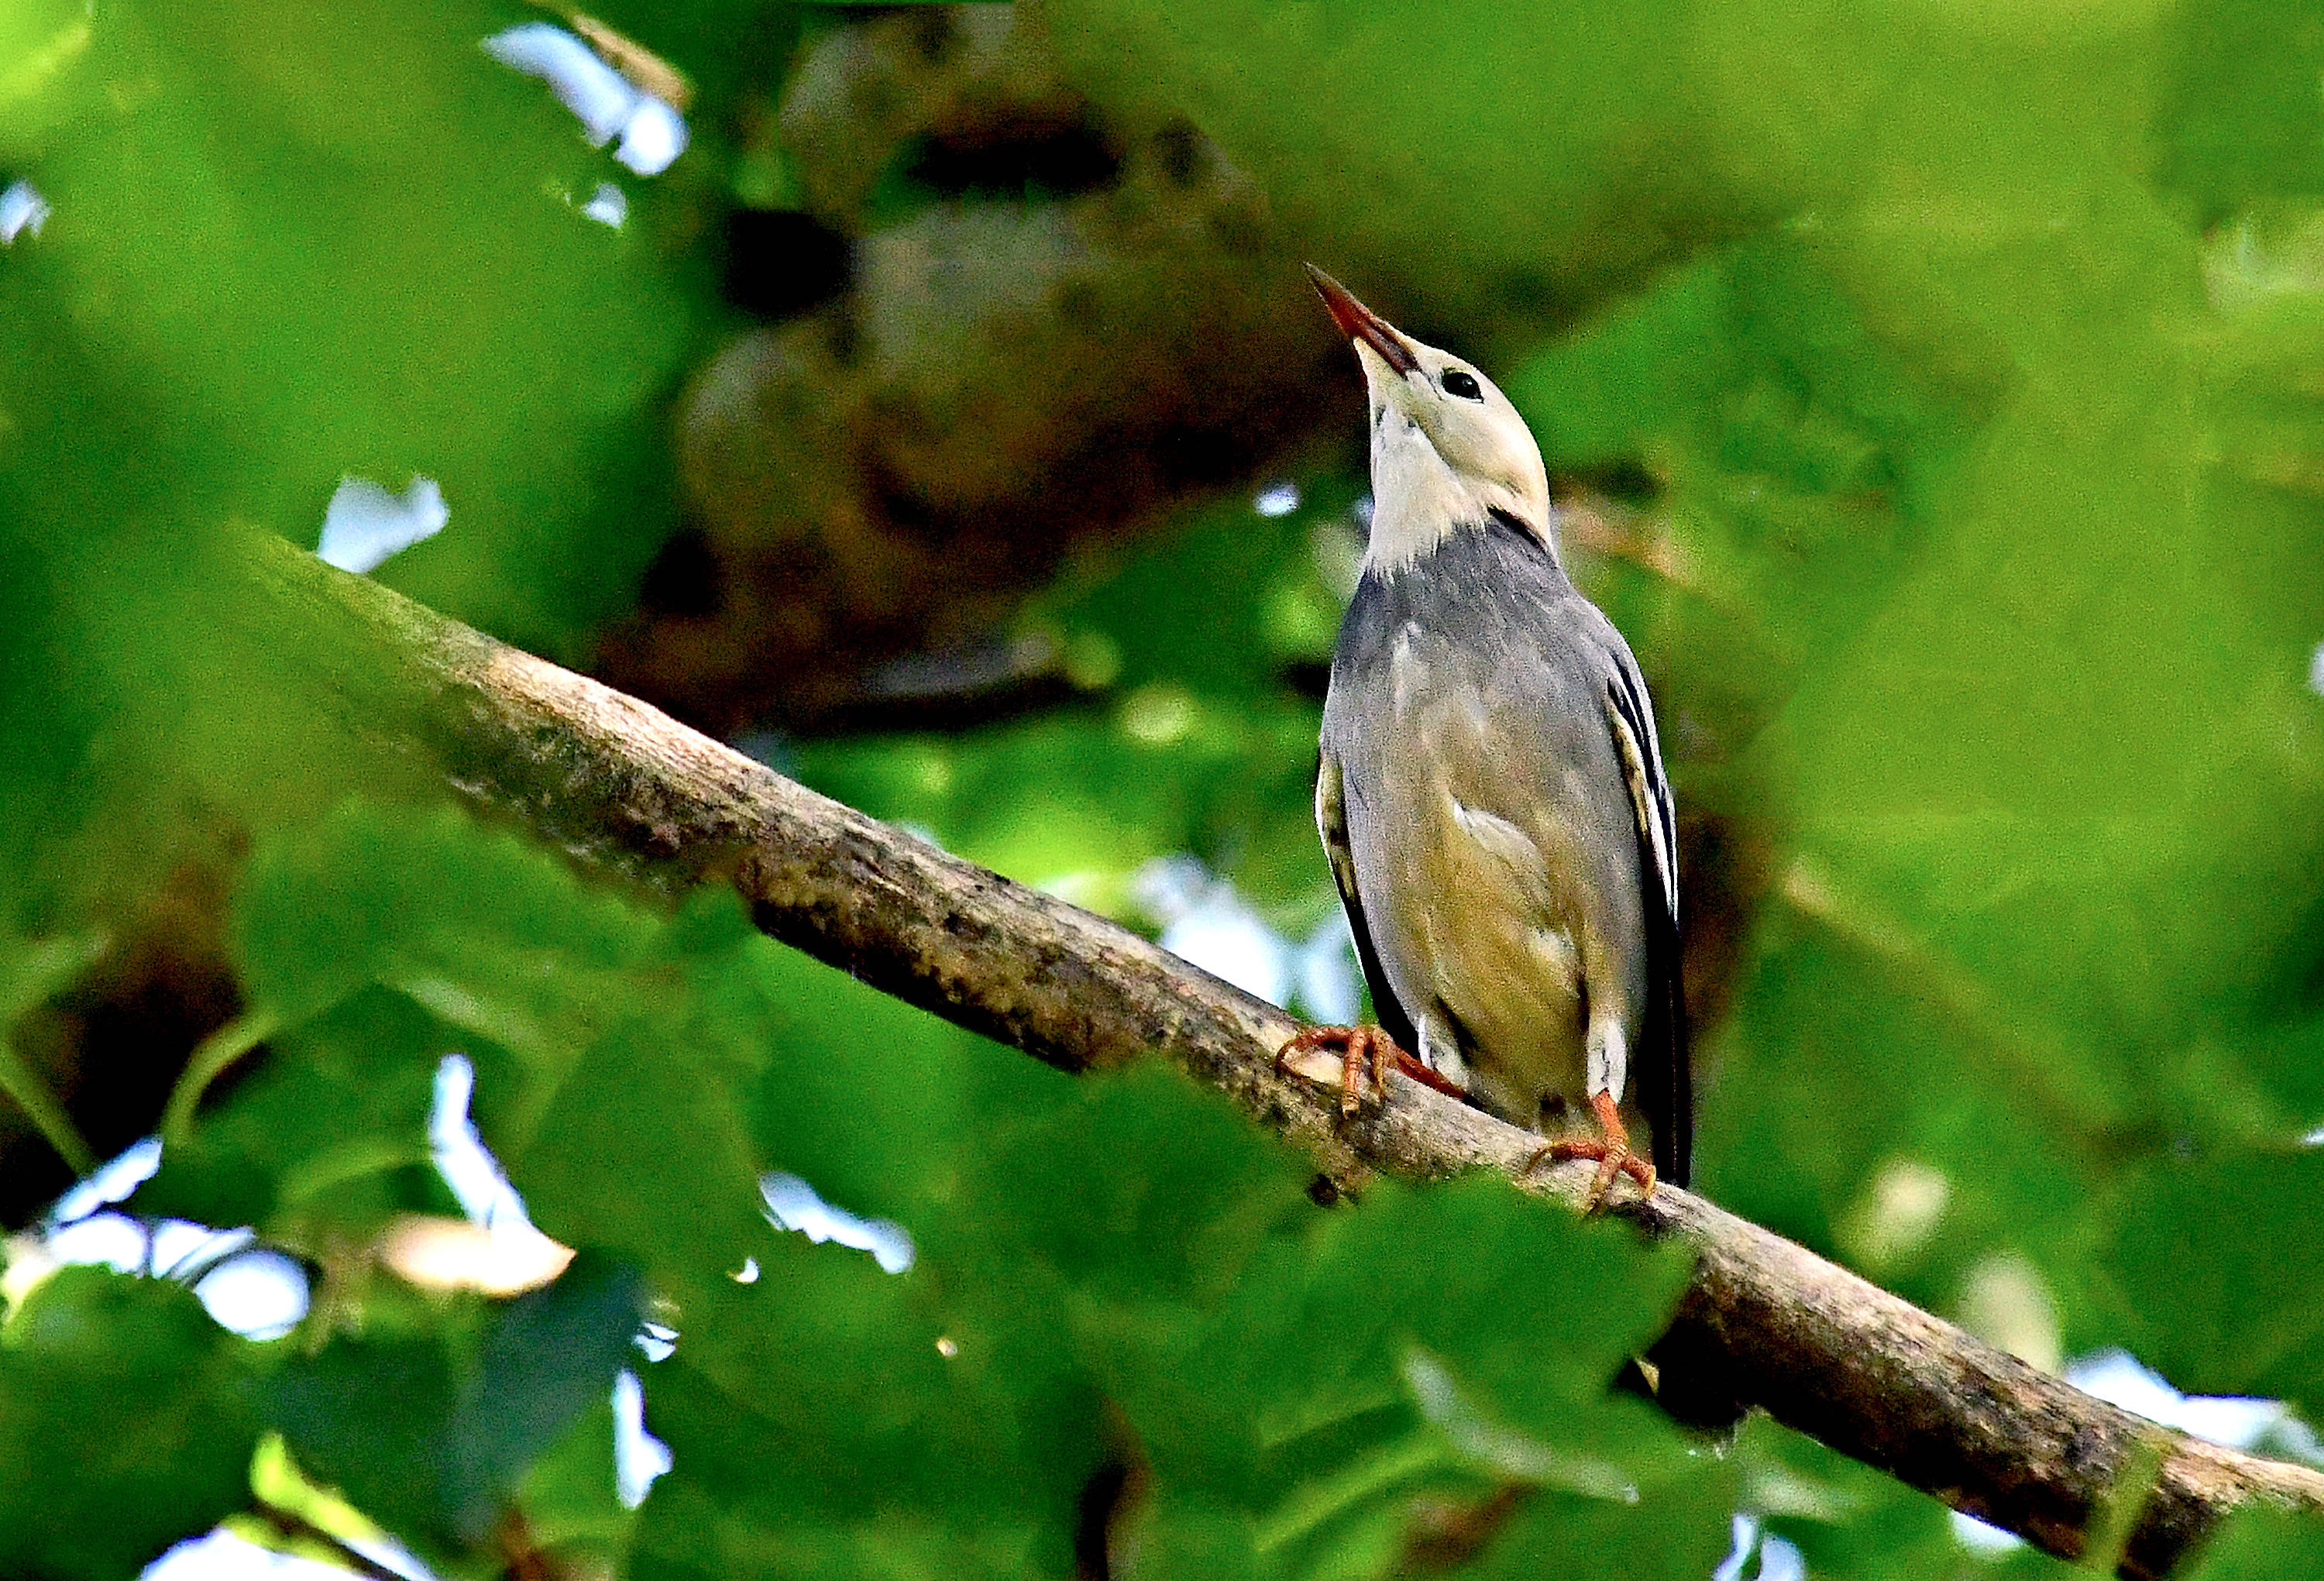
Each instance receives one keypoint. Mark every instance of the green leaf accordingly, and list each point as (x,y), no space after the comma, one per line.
(1170,1193)
(1678,1532)
(635,1153)
(491,935)
(897,1458)
(610,1043)
(2256,1545)
(2208,1273)
(371,1416)
(327,1138)
(2238,117)
(124,1425)
(432,1437)
(545,1361)
(30,972)
(464,321)
(570,1498)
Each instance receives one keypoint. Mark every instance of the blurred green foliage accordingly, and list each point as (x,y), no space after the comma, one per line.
(1950,375)
(126,1424)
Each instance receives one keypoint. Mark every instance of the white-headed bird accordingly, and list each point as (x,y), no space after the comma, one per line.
(1491,793)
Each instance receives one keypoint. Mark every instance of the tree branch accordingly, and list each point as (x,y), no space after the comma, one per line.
(1762,1321)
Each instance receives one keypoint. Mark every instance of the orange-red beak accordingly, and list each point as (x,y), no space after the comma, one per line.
(1360,323)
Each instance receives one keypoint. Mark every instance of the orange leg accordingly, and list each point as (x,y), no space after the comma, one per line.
(1358,1046)
(1610,1147)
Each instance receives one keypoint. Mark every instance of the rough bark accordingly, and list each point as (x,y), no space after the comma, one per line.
(1764,1322)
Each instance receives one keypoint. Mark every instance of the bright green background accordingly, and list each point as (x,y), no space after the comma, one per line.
(1968,354)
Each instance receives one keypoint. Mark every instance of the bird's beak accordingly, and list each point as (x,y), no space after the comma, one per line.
(1362,325)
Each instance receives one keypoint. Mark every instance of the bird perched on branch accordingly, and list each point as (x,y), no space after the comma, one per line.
(1491,795)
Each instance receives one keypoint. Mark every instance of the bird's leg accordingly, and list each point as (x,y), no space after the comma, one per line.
(1610,1147)
(1357,1046)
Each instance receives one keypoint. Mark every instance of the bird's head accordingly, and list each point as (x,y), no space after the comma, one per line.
(1447,447)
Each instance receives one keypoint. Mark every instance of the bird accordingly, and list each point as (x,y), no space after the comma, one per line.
(1491,793)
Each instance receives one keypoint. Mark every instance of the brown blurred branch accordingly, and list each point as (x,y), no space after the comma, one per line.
(624,787)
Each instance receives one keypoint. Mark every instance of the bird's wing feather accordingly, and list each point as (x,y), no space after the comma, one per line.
(1642,757)
(1660,1063)
(1332,823)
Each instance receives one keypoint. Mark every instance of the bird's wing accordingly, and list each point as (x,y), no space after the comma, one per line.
(1633,718)
(1332,823)
(1659,1064)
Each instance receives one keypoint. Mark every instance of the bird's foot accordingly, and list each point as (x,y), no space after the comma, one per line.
(1610,1147)
(1358,1046)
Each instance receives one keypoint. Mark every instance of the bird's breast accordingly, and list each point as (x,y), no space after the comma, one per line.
(1471,740)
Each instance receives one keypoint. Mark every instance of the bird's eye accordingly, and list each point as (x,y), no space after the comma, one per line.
(1461,382)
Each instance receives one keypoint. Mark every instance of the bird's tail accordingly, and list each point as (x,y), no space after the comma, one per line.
(1665,1082)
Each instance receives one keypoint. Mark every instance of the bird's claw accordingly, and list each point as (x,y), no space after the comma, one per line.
(1610,1148)
(1358,1047)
